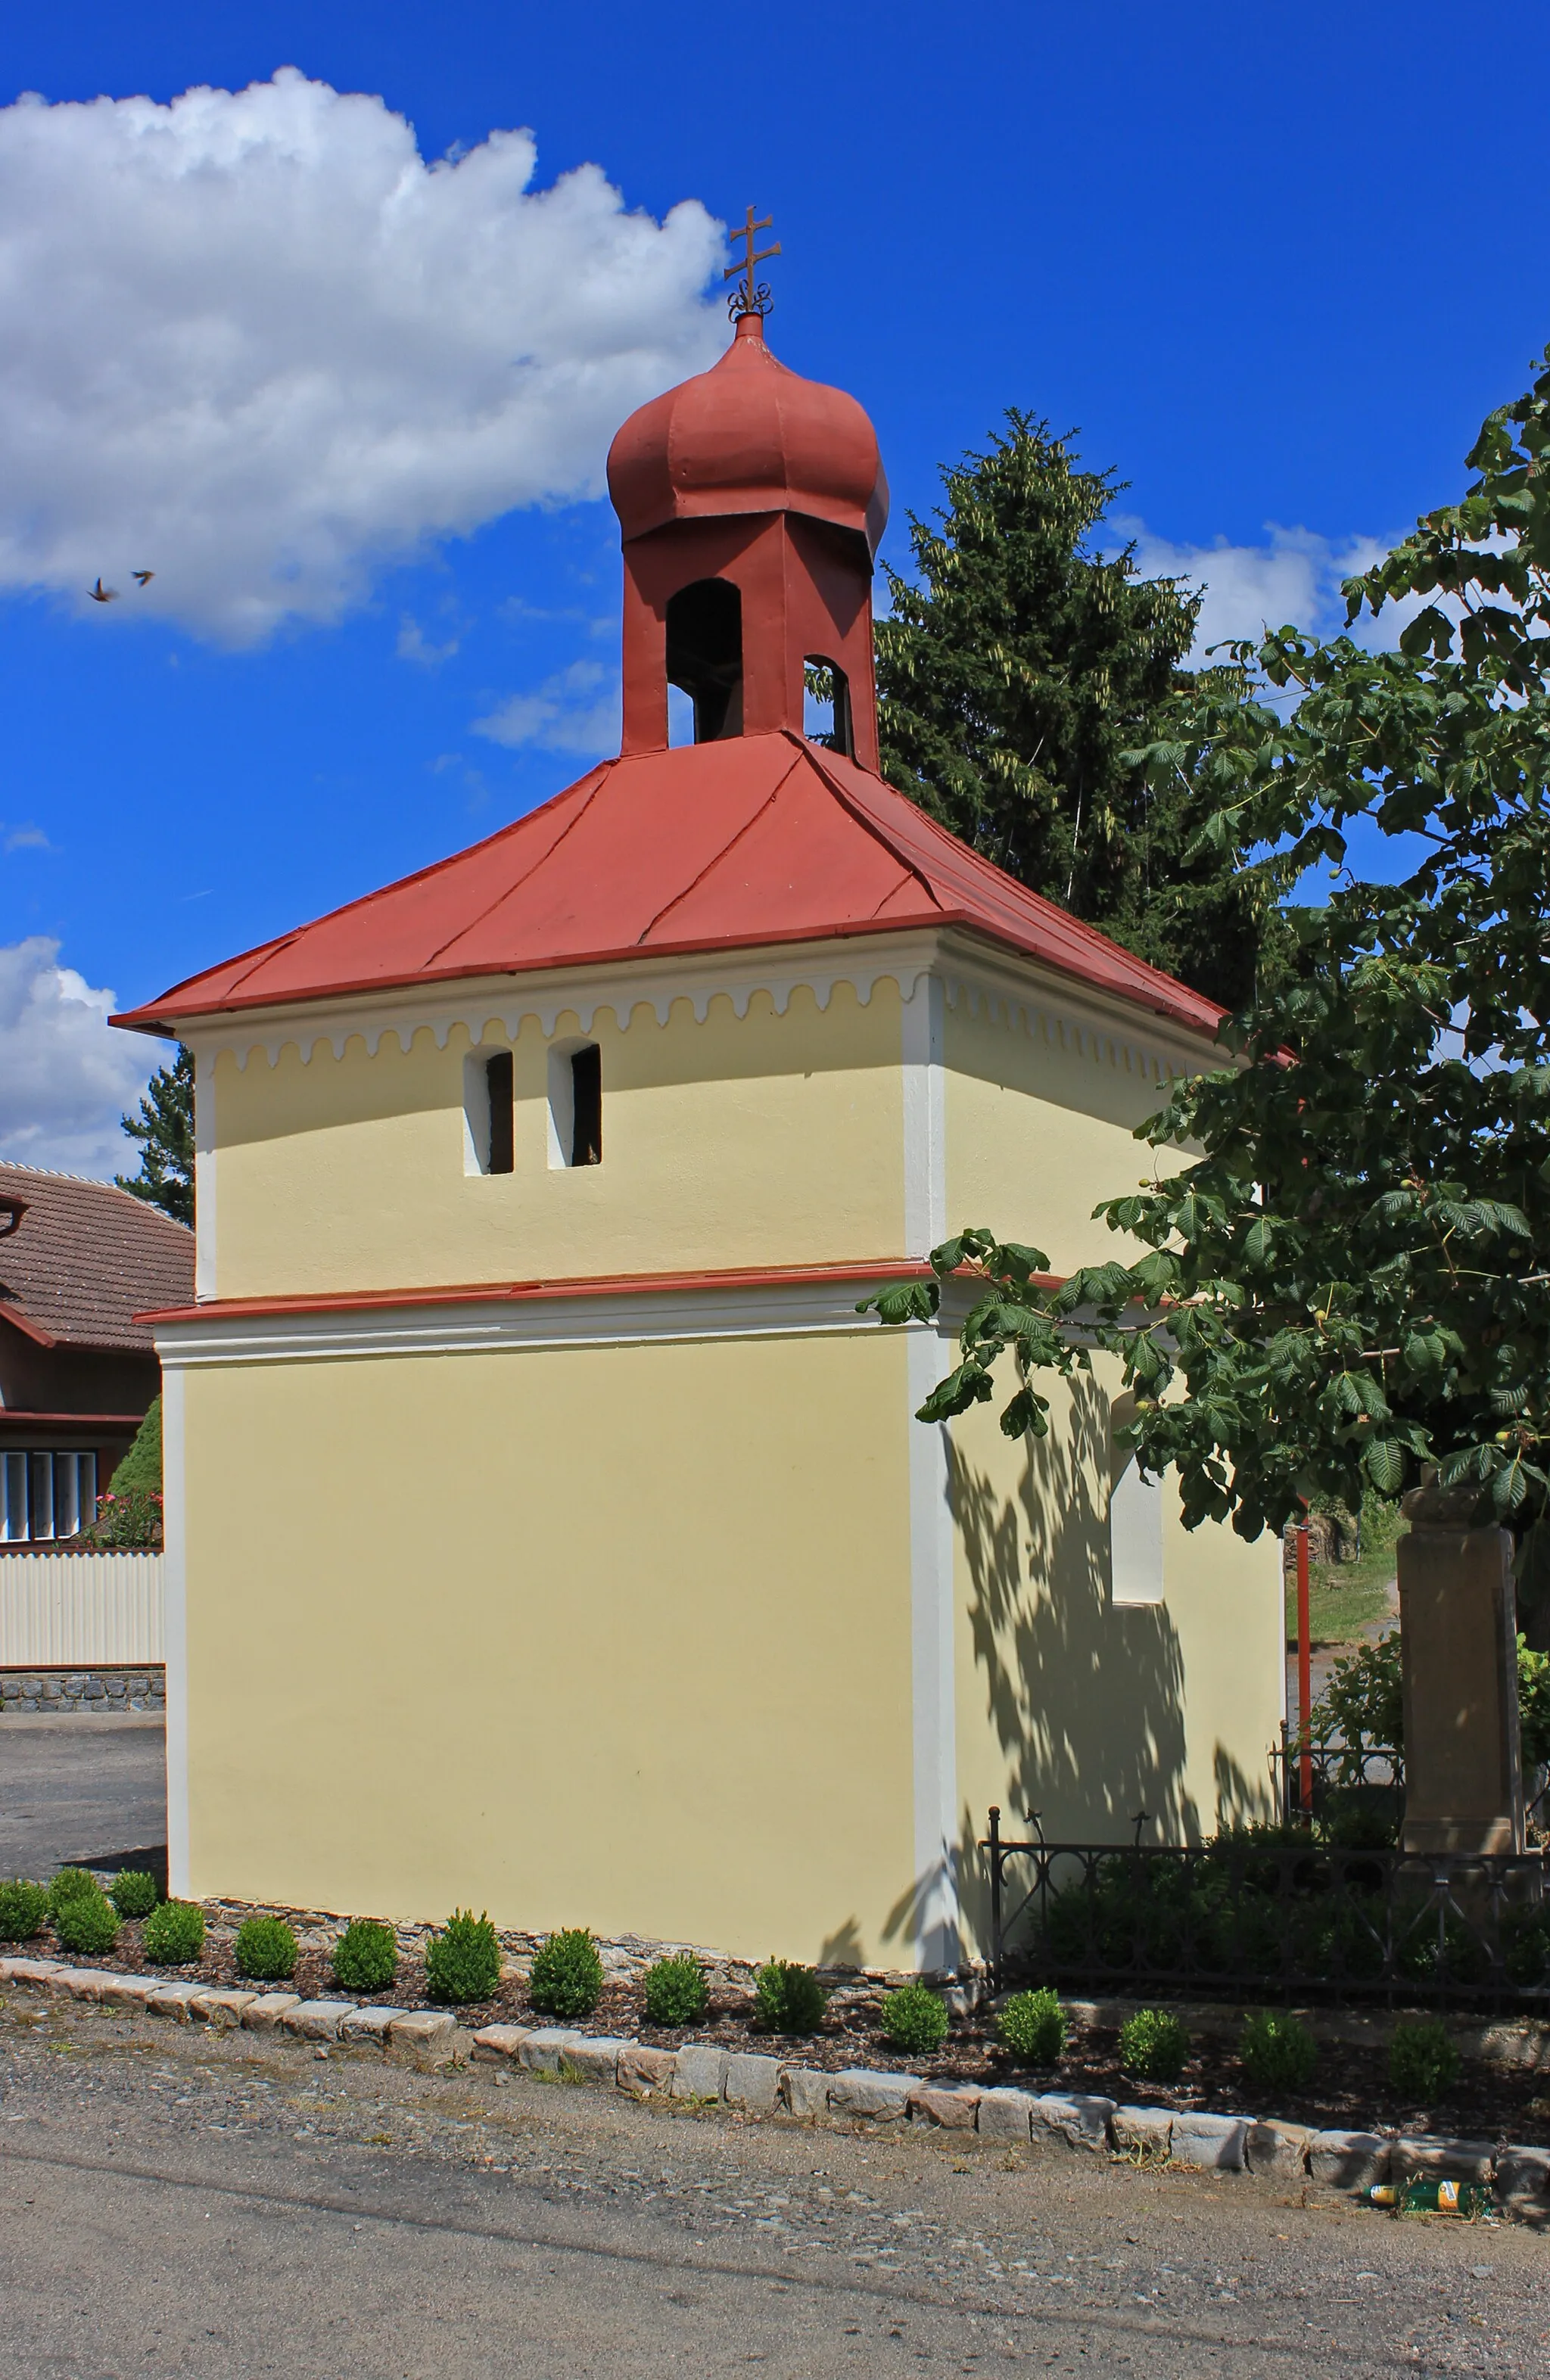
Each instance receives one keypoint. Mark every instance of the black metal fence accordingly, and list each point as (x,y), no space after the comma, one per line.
(1344,1781)
(1249,1918)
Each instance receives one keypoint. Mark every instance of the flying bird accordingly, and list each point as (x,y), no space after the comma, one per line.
(101,594)
(142,577)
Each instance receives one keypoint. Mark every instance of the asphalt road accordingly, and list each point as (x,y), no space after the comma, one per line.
(74,1786)
(173,2203)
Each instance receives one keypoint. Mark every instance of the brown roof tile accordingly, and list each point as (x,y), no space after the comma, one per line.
(85,1257)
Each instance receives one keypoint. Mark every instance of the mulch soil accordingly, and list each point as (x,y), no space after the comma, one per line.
(1350,2087)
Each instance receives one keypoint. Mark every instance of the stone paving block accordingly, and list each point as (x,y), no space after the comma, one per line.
(175,2000)
(1437,2158)
(597,2056)
(264,2013)
(424,2037)
(1523,2179)
(1348,2160)
(953,2109)
(79,1983)
(1077,2118)
(222,2009)
(862,2090)
(28,1971)
(805,2089)
(317,2020)
(752,2081)
(643,2070)
(496,2045)
(545,2046)
(1277,2149)
(1215,2141)
(1143,2131)
(1004,2116)
(370,2023)
(698,2072)
(128,1991)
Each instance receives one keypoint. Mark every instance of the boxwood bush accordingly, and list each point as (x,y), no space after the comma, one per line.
(174,1934)
(365,1956)
(1277,2051)
(265,1951)
(789,1998)
(677,1992)
(566,1979)
(23,1907)
(1423,2062)
(87,1923)
(1154,2046)
(70,1884)
(463,1961)
(1032,2026)
(133,1892)
(914,2019)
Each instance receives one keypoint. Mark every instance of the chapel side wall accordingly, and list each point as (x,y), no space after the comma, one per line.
(1081,1708)
(626,1632)
(766,1139)
(1040,1124)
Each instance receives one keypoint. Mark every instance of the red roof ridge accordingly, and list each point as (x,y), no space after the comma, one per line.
(867,824)
(730,845)
(600,778)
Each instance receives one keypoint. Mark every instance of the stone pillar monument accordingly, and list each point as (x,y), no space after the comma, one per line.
(1458,1634)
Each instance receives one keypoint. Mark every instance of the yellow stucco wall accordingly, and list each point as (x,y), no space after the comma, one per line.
(1081,1708)
(767,1139)
(615,1637)
(1039,1128)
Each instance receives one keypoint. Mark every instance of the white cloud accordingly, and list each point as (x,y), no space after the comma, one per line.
(254,342)
(65,1077)
(576,712)
(414,646)
(1294,576)
(27,837)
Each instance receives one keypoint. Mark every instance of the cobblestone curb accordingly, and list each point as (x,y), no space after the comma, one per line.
(756,2085)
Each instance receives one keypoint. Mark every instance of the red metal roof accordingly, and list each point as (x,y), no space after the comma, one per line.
(751,841)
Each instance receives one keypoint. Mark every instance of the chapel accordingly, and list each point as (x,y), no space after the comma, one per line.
(546,1530)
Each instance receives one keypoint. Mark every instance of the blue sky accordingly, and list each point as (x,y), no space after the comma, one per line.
(1276,267)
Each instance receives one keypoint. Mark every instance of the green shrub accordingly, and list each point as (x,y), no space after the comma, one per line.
(87,1923)
(265,1951)
(174,1934)
(1278,2053)
(365,1956)
(1423,2062)
(789,1998)
(1154,2046)
(23,1907)
(566,1979)
(914,2019)
(133,1892)
(463,1961)
(1032,2026)
(677,1992)
(71,1884)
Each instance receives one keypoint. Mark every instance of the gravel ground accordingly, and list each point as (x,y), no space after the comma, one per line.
(174,2203)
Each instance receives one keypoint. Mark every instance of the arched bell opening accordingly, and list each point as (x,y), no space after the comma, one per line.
(827,718)
(705,655)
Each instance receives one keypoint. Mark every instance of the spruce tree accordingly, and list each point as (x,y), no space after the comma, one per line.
(165,1130)
(1019,677)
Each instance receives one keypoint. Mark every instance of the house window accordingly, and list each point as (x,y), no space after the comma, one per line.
(489,1112)
(705,655)
(575,1104)
(1135,1519)
(826,706)
(45,1496)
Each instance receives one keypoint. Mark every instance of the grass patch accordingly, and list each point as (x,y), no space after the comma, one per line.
(1345,1597)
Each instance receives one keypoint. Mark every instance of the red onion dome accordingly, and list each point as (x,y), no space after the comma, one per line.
(748,436)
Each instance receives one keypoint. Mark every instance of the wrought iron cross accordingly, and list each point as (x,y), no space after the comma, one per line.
(750,296)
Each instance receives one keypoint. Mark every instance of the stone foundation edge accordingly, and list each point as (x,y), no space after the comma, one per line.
(138,1686)
(756,2085)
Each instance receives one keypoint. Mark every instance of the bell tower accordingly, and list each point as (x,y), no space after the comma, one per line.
(750,501)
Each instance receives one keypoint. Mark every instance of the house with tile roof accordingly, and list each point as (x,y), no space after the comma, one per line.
(536,1193)
(78,1261)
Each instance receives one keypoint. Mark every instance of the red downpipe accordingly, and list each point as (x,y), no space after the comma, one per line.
(1304,1675)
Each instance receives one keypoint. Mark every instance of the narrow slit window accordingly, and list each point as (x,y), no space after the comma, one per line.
(586,1105)
(500,1089)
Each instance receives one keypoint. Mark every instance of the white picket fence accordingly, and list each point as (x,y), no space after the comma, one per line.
(80,1612)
